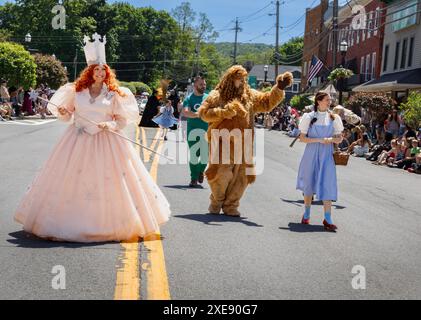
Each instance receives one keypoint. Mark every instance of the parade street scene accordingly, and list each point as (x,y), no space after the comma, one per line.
(226,152)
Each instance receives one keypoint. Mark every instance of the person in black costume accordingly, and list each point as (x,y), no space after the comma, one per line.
(151,110)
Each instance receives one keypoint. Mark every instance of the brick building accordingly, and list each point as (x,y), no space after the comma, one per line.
(400,66)
(365,43)
(315,39)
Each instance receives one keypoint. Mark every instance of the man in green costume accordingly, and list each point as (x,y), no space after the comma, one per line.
(196,132)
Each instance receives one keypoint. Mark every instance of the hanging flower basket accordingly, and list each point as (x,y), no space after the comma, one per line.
(340,73)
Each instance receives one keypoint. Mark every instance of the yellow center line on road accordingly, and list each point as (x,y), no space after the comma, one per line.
(146,153)
(128,276)
(144,142)
(157,278)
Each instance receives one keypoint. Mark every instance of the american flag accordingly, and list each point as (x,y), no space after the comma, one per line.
(315,67)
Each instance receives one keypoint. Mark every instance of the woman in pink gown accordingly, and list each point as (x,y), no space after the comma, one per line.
(94,186)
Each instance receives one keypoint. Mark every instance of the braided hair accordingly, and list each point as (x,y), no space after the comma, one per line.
(319,97)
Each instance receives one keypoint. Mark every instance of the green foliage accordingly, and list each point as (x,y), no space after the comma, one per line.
(377,104)
(128,85)
(141,87)
(340,73)
(227,48)
(134,34)
(50,71)
(412,110)
(143,44)
(292,51)
(17,65)
(259,53)
(300,101)
(4,35)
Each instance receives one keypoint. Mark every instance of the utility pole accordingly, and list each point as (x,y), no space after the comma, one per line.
(277,41)
(335,32)
(237,29)
(197,56)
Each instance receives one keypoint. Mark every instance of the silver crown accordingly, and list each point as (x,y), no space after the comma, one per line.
(95,50)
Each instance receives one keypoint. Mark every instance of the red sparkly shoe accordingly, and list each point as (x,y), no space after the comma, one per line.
(329,227)
(305,221)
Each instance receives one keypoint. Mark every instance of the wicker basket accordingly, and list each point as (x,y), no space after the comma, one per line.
(341,158)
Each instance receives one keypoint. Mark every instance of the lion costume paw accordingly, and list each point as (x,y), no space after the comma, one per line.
(285,80)
(238,108)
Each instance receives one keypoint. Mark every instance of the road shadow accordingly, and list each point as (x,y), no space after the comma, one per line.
(24,239)
(302,228)
(299,203)
(218,220)
(184,187)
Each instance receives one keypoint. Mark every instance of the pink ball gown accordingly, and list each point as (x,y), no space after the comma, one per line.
(93,187)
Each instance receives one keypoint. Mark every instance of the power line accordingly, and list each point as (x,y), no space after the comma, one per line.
(256,12)
(298,21)
(255,19)
(263,34)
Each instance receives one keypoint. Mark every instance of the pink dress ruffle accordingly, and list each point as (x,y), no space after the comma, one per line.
(93,187)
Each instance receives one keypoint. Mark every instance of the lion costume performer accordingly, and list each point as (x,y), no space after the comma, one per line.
(232,106)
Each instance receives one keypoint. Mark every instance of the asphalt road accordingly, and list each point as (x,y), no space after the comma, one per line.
(265,254)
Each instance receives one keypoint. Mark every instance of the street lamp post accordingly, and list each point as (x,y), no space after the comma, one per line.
(266,69)
(343,47)
(28,38)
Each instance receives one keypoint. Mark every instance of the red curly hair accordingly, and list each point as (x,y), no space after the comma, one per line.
(86,79)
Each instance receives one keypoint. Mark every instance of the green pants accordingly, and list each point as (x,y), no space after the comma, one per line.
(198,149)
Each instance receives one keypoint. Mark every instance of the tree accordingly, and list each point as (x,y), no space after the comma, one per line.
(292,51)
(185,16)
(194,50)
(50,71)
(212,64)
(412,110)
(128,85)
(17,65)
(141,87)
(300,101)
(4,35)
(377,104)
(143,44)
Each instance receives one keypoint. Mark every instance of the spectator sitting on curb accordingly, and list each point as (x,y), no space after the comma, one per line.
(362,146)
(416,167)
(379,148)
(406,161)
(388,156)
(412,152)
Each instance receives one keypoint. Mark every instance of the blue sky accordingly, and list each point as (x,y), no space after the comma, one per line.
(258,28)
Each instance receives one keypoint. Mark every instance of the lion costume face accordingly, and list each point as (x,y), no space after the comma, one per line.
(227,89)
